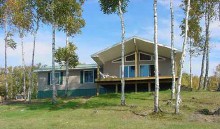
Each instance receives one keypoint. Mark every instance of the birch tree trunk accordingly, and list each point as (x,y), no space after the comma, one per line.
(122,55)
(67,69)
(32,67)
(207,23)
(53,65)
(23,65)
(182,59)
(156,96)
(190,62)
(201,77)
(6,67)
(172,52)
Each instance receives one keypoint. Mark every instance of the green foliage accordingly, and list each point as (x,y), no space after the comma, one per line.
(66,15)
(111,6)
(15,80)
(62,55)
(186,81)
(22,15)
(195,29)
(214,80)
(10,42)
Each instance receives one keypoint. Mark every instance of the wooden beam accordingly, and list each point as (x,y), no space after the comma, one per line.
(136,89)
(97,89)
(98,72)
(136,58)
(149,86)
(116,88)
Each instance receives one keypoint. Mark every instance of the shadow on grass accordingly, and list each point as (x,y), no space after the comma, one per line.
(73,103)
(103,101)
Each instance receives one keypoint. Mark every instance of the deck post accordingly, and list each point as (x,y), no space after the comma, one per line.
(116,88)
(98,72)
(97,89)
(149,86)
(136,59)
(136,89)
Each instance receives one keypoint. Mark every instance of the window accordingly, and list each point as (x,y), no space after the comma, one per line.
(129,71)
(58,78)
(144,70)
(88,76)
(130,58)
(144,57)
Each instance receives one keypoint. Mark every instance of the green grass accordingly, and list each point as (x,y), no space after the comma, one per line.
(105,112)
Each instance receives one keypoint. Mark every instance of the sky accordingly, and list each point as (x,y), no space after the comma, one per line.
(102,31)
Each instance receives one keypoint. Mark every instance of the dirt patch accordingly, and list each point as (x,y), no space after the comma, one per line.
(204,118)
(217,112)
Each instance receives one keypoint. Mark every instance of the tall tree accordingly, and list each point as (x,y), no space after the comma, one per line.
(73,25)
(55,13)
(156,95)
(195,31)
(172,52)
(119,7)
(209,14)
(67,55)
(36,21)
(22,18)
(182,58)
(5,22)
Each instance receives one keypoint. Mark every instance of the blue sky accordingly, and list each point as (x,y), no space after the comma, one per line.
(102,31)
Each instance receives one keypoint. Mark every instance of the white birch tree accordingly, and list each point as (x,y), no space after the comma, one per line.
(118,6)
(172,52)
(182,58)
(156,95)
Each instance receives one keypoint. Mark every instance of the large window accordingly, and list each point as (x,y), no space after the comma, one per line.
(88,76)
(58,78)
(129,71)
(144,70)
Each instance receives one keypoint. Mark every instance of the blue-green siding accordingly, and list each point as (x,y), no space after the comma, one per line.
(71,93)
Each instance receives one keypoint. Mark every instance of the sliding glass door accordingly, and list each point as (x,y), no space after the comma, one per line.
(129,71)
(144,70)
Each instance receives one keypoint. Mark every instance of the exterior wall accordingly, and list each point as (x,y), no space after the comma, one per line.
(74,81)
(76,88)
(113,69)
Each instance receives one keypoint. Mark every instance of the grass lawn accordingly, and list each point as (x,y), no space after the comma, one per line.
(105,112)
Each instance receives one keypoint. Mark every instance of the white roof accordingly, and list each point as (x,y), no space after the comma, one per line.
(142,45)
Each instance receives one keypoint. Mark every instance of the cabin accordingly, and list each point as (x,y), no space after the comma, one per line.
(105,75)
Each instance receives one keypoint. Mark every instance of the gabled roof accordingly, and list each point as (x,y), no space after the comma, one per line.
(143,45)
(62,68)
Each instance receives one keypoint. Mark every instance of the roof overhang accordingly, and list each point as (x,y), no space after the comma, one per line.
(131,44)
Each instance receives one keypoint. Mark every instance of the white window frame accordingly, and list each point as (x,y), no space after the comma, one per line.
(145,54)
(128,71)
(55,78)
(84,76)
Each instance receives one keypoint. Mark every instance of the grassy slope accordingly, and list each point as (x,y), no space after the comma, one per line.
(105,112)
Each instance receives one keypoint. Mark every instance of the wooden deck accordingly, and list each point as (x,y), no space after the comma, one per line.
(133,80)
